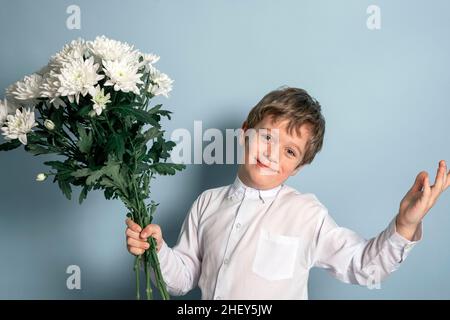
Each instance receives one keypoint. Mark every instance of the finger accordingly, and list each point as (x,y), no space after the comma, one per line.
(439,181)
(134,226)
(138,244)
(132,234)
(151,230)
(444,174)
(135,251)
(426,187)
(418,183)
(447,179)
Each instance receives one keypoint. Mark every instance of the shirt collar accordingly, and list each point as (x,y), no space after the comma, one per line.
(239,189)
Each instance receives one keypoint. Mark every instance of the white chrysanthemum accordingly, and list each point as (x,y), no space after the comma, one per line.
(45,70)
(18,125)
(77,77)
(161,83)
(27,89)
(123,74)
(6,107)
(75,50)
(50,85)
(107,49)
(99,98)
(148,60)
(3,111)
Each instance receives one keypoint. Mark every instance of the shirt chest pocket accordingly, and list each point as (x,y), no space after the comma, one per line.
(275,257)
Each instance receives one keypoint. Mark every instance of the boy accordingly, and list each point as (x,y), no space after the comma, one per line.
(258,238)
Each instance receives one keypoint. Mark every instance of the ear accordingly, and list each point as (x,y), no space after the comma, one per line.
(297,170)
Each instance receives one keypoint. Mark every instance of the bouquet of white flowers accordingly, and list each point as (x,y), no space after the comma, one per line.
(93,104)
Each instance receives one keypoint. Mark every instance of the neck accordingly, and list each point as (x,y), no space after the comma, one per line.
(246,180)
(243,177)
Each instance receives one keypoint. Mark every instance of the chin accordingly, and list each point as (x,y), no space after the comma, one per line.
(261,180)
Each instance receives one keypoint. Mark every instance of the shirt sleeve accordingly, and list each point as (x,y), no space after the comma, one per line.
(353,259)
(180,265)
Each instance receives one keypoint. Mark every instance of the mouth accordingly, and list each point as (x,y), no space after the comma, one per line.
(262,165)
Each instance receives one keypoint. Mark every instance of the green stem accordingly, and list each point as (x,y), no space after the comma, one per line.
(148,284)
(157,269)
(70,143)
(137,269)
(150,256)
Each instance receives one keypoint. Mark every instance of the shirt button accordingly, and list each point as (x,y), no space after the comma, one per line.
(218,298)
(226,261)
(238,226)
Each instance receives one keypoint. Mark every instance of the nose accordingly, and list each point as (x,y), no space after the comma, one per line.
(271,153)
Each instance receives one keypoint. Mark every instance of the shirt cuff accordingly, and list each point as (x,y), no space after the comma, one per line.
(400,242)
(163,251)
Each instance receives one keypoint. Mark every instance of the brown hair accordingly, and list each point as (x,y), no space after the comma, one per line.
(297,106)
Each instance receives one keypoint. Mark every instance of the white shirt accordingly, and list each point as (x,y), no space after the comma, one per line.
(242,243)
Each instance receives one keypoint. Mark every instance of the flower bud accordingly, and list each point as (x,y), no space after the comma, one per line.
(41,177)
(49,124)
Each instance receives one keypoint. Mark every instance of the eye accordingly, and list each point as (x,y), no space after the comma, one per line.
(267,137)
(291,152)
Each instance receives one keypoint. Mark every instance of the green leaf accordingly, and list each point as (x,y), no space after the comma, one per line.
(81,173)
(155,109)
(83,194)
(138,114)
(35,149)
(65,188)
(85,141)
(84,111)
(166,168)
(107,182)
(58,165)
(109,193)
(152,205)
(116,174)
(57,116)
(116,144)
(152,133)
(42,134)
(94,176)
(141,167)
(10,145)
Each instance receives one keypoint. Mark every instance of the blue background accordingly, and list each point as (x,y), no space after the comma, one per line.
(384,95)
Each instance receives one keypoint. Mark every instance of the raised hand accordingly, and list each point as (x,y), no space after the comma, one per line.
(420,199)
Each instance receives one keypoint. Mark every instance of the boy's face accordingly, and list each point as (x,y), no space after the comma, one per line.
(271,154)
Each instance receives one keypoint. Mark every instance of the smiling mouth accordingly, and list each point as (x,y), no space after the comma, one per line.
(263,166)
(259,163)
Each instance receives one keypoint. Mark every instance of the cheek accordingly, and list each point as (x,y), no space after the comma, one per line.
(287,165)
(253,148)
